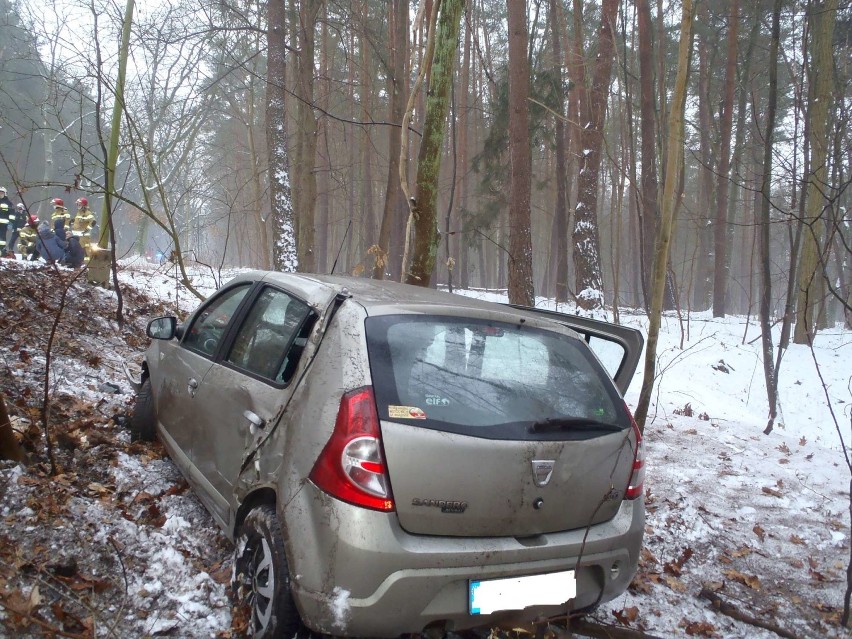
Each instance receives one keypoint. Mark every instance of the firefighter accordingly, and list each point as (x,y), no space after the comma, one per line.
(60,218)
(20,216)
(5,218)
(28,238)
(83,223)
(7,221)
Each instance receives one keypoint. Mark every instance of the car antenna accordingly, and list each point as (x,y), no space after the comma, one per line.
(342,242)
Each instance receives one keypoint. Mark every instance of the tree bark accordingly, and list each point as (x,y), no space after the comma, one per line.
(306,135)
(587,262)
(763,221)
(560,224)
(674,158)
(424,209)
(520,161)
(284,255)
(648,201)
(393,207)
(720,240)
(822,15)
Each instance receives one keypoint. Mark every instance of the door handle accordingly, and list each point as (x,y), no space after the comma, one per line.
(256,422)
(191,386)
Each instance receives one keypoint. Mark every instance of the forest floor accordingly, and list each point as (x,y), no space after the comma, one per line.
(106,539)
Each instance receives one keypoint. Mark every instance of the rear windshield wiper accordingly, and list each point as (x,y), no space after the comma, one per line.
(552,424)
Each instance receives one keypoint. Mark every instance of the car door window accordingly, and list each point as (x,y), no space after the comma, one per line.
(209,326)
(270,341)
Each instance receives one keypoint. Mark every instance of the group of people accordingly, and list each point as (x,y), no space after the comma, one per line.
(65,239)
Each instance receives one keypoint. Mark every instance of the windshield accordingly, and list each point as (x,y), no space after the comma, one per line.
(488,379)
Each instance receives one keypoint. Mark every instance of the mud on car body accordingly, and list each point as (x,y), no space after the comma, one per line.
(389,458)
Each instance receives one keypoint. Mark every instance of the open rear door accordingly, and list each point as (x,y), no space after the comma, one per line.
(617,347)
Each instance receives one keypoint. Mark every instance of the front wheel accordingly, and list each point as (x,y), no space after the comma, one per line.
(143,424)
(262,578)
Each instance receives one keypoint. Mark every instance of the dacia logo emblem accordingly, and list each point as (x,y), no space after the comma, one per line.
(542,471)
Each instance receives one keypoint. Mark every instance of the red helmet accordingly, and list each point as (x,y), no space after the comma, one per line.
(33,220)
(82,202)
(58,202)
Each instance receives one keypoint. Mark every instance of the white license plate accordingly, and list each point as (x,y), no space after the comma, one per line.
(516,593)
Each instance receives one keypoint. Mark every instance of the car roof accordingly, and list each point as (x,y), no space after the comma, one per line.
(376,295)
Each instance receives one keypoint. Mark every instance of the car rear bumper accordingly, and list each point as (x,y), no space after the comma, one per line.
(356,572)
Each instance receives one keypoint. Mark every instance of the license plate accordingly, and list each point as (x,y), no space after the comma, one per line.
(516,593)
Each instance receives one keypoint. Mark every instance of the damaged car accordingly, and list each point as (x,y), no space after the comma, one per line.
(391,459)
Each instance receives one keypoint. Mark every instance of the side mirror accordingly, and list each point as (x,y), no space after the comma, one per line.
(162,328)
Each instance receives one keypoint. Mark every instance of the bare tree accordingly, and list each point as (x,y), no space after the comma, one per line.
(520,241)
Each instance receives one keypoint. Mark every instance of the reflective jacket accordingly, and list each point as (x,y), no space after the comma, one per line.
(82,222)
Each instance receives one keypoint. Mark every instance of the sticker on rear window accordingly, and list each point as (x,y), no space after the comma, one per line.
(405,412)
(437,400)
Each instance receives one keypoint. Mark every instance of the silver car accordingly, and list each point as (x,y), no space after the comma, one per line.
(390,459)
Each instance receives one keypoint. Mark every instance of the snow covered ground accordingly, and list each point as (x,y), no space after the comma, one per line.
(118,546)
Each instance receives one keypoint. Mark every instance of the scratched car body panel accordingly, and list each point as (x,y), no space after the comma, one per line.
(410,443)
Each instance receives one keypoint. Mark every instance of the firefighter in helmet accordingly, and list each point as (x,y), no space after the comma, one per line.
(7,220)
(83,223)
(28,238)
(60,218)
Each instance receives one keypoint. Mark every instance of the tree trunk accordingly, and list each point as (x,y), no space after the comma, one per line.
(396,89)
(587,262)
(284,256)
(306,132)
(720,231)
(462,239)
(763,222)
(520,161)
(424,209)
(702,297)
(648,202)
(822,16)
(674,157)
(560,224)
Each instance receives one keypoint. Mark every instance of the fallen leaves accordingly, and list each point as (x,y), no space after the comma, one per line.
(752,581)
(626,616)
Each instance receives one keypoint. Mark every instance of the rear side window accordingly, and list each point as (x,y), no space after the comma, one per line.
(485,378)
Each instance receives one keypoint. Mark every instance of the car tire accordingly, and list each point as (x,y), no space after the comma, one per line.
(143,424)
(262,578)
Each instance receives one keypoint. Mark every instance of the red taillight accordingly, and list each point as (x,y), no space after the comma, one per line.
(637,475)
(352,467)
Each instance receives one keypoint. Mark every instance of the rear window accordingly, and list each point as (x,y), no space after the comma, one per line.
(486,379)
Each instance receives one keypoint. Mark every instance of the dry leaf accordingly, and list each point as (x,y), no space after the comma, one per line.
(771,491)
(751,581)
(626,616)
(797,540)
(761,534)
(700,629)
(674,583)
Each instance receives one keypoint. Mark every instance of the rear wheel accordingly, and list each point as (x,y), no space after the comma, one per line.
(262,578)
(143,424)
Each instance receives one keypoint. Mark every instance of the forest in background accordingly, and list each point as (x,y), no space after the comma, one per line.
(271,136)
